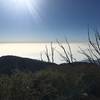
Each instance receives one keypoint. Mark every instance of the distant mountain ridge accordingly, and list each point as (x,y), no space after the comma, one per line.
(8,64)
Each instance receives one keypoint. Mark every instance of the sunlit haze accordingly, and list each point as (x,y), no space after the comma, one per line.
(33,50)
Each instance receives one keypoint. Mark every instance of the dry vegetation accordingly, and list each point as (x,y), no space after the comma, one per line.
(93,54)
(70,81)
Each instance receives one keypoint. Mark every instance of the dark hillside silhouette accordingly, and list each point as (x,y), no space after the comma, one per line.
(9,64)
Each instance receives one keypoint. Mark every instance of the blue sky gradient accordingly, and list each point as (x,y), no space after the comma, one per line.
(51,20)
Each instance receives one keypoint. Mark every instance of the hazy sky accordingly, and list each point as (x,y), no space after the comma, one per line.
(47,20)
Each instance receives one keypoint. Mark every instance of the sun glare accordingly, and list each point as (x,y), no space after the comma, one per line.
(21,7)
(31,6)
(23,4)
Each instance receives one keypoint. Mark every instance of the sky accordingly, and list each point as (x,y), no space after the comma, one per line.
(47,20)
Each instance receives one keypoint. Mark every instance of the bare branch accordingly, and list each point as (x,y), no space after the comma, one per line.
(93,54)
(41,56)
(66,57)
(70,51)
(52,53)
(47,54)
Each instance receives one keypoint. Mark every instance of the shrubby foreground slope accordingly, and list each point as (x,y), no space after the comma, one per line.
(27,79)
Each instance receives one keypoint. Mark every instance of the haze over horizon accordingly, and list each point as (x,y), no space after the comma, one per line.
(47,20)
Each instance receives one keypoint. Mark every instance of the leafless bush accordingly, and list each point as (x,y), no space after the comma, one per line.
(67,55)
(49,56)
(93,54)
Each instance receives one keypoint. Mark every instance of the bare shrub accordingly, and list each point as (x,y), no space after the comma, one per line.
(67,55)
(49,56)
(93,54)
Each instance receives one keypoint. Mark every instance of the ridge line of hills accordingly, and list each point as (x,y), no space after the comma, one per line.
(9,64)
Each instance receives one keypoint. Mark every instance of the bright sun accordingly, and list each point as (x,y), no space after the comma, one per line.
(21,2)
(18,7)
(25,5)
